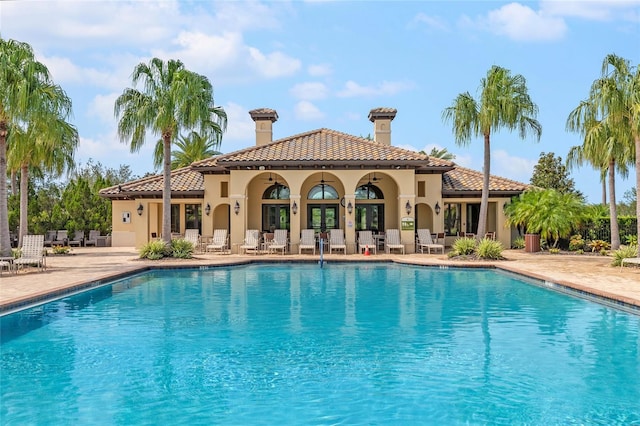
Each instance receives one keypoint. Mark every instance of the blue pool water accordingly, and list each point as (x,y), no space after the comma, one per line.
(296,344)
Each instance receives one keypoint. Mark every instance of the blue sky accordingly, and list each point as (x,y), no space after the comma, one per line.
(328,63)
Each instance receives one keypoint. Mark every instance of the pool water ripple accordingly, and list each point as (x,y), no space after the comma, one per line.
(292,344)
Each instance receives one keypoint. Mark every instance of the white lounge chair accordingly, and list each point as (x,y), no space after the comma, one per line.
(62,238)
(336,240)
(50,238)
(219,241)
(193,236)
(93,238)
(32,252)
(425,241)
(78,239)
(280,241)
(365,239)
(392,241)
(251,241)
(307,241)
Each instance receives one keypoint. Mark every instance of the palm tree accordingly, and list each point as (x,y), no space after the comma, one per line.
(27,96)
(504,102)
(48,144)
(193,147)
(443,154)
(609,121)
(172,98)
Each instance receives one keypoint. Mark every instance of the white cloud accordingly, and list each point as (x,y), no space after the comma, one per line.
(512,167)
(319,70)
(241,130)
(305,110)
(276,64)
(593,10)
(101,107)
(309,91)
(431,22)
(353,89)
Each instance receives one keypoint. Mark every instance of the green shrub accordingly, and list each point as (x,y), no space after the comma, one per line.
(464,246)
(576,243)
(580,251)
(554,250)
(154,250)
(489,249)
(599,246)
(61,249)
(518,243)
(631,240)
(624,253)
(182,249)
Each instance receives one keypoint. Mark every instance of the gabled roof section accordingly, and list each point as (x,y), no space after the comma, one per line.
(185,183)
(466,182)
(323,147)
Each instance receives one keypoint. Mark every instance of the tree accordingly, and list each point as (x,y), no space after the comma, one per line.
(548,212)
(193,147)
(443,154)
(551,173)
(172,98)
(606,121)
(504,102)
(28,101)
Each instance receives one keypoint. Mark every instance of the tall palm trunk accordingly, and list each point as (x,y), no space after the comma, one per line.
(484,202)
(166,193)
(638,188)
(5,241)
(613,210)
(604,190)
(24,201)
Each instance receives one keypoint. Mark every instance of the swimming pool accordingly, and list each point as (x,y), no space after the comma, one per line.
(347,344)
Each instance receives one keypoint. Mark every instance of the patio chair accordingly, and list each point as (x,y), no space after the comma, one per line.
(490,235)
(392,240)
(78,239)
(425,240)
(307,241)
(6,264)
(219,241)
(193,236)
(93,238)
(62,238)
(50,238)
(280,241)
(336,240)
(365,239)
(251,241)
(32,252)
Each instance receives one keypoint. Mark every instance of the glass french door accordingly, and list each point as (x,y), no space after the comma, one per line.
(473,217)
(275,216)
(370,217)
(322,217)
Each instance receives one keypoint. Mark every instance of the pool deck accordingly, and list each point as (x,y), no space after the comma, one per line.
(90,266)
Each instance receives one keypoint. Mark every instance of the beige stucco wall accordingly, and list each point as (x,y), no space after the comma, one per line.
(123,233)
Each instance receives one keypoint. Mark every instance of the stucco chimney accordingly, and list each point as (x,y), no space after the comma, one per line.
(381,119)
(264,118)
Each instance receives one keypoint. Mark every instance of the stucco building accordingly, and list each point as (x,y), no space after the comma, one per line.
(321,179)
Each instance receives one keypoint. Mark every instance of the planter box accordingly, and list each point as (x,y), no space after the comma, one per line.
(532,243)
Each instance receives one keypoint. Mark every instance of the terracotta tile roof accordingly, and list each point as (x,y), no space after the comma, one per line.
(463,181)
(185,182)
(324,146)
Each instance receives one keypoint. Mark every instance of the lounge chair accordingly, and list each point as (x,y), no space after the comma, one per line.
(280,241)
(425,240)
(50,238)
(5,264)
(251,241)
(336,240)
(193,236)
(32,252)
(78,239)
(307,241)
(392,241)
(62,238)
(219,241)
(93,238)
(365,239)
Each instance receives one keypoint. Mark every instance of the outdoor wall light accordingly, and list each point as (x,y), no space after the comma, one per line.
(236,208)
(437,208)
(140,209)
(350,207)
(408,207)
(294,208)
(207,209)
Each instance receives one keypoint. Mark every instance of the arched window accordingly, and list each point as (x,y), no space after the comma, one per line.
(323,192)
(276,192)
(369,192)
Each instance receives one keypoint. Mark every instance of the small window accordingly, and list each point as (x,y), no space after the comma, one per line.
(369,192)
(323,192)
(224,189)
(421,191)
(276,192)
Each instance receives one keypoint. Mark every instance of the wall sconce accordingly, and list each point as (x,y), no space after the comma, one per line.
(408,207)
(140,209)
(294,207)
(236,208)
(350,207)
(207,209)
(437,208)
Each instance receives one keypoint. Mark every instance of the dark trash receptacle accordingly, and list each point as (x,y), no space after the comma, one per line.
(532,243)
